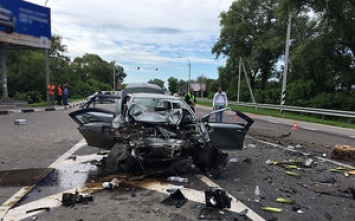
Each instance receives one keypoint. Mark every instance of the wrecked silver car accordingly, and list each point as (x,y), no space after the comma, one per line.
(151,132)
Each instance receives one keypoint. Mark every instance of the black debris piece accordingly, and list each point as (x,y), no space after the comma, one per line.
(328,216)
(209,213)
(38,209)
(133,192)
(70,199)
(175,198)
(217,198)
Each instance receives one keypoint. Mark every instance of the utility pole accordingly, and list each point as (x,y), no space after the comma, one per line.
(248,83)
(114,76)
(287,52)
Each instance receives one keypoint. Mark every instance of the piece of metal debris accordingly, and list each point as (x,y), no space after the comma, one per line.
(217,198)
(178,179)
(247,160)
(175,198)
(233,160)
(20,121)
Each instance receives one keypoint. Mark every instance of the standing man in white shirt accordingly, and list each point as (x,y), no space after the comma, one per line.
(220,101)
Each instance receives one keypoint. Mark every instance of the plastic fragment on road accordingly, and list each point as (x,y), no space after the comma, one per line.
(233,160)
(178,179)
(269,162)
(292,173)
(284,200)
(21,121)
(272,209)
(291,167)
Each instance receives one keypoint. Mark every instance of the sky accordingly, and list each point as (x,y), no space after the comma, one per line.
(161,37)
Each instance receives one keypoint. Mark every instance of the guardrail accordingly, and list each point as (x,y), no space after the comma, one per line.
(318,111)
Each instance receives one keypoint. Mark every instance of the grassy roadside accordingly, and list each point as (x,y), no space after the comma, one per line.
(334,121)
(45,104)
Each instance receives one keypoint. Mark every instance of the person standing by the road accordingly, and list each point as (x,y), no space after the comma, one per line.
(65,94)
(59,94)
(190,99)
(220,101)
(51,93)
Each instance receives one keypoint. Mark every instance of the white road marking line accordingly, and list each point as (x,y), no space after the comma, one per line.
(54,201)
(309,128)
(6,206)
(352,136)
(236,205)
(67,154)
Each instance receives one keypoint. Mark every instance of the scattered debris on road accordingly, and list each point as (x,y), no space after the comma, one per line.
(343,152)
(70,199)
(175,198)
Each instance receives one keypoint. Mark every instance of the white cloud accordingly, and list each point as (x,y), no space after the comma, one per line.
(154,33)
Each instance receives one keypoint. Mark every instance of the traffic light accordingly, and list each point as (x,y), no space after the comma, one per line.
(156,69)
(138,68)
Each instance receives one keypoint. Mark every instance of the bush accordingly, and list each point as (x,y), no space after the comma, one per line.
(29,96)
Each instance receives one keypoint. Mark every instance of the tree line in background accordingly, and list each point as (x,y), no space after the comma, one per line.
(321,65)
(84,75)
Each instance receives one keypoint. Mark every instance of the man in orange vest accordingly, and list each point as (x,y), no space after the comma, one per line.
(51,93)
(59,94)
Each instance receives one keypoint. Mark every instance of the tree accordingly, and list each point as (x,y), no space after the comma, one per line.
(249,30)
(157,81)
(173,85)
(119,74)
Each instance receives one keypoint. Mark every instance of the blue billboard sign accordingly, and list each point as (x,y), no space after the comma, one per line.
(18,16)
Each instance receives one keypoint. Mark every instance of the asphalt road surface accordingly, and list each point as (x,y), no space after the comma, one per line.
(51,140)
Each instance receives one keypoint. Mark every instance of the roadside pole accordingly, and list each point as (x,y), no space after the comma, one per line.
(287,52)
(5,94)
(47,73)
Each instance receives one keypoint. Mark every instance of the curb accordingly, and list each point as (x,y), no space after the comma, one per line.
(28,110)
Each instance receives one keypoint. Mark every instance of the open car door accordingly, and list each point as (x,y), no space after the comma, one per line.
(95,126)
(230,133)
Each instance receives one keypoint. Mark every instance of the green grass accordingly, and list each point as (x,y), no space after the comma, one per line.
(328,120)
(45,104)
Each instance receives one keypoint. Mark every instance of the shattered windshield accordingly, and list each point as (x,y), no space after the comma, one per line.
(159,104)
(159,110)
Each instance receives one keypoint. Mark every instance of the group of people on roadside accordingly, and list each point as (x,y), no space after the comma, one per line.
(59,93)
(219,102)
